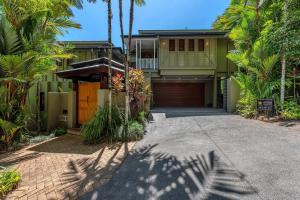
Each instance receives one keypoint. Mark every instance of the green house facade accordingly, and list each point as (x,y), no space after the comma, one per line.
(186,68)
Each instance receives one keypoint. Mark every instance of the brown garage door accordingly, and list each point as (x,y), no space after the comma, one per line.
(178,94)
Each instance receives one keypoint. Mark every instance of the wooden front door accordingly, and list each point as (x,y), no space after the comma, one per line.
(178,94)
(87,101)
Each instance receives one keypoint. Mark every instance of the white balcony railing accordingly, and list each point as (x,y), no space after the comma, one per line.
(147,63)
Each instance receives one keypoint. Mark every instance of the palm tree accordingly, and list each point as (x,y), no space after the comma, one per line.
(30,33)
(126,67)
(109,14)
(283,57)
(127,59)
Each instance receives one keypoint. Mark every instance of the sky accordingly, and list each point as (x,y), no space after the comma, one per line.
(156,14)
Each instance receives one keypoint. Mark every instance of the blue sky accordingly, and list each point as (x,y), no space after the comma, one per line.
(156,14)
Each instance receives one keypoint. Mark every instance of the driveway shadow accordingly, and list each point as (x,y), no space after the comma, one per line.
(153,175)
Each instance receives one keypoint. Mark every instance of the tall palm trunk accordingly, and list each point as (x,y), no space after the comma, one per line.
(283,57)
(126,67)
(110,61)
(129,39)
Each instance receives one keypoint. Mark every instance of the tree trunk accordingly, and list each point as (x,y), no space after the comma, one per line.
(295,98)
(129,52)
(126,67)
(283,58)
(283,70)
(110,62)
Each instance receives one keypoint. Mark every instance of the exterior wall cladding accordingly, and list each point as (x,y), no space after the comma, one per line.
(186,56)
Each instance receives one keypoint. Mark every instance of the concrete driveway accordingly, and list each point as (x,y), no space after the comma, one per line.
(208,154)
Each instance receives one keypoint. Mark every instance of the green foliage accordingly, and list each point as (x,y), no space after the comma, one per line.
(246,106)
(12,122)
(28,51)
(290,110)
(98,129)
(135,131)
(59,131)
(139,90)
(261,30)
(141,117)
(9,180)
(8,132)
(93,131)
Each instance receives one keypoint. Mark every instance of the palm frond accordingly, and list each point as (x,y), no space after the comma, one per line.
(9,40)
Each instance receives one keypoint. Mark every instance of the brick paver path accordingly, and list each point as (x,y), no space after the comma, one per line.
(63,168)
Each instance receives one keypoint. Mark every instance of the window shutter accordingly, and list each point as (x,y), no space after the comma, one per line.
(201,44)
(181,45)
(172,45)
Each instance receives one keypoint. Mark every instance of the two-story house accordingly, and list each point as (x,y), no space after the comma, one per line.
(186,68)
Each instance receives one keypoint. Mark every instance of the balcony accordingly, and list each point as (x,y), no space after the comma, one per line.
(147,63)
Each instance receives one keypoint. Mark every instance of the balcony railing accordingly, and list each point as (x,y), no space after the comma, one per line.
(147,63)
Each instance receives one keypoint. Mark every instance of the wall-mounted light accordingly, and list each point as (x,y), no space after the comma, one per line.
(164,43)
(206,43)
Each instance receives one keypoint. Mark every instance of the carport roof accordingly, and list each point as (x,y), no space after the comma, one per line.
(91,69)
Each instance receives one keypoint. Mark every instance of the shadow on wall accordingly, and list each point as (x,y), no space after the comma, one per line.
(151,175)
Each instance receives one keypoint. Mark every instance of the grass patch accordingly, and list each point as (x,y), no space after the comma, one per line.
(9,180)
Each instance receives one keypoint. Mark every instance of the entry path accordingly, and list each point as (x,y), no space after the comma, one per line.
(208,155)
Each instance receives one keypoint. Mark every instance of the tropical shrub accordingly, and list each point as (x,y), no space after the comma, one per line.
(135,131)
(98,129)
(139,90)
(141,117)
(59,131)
(263,32)
(290,110)
(13,121)
(9,180)
(28,51)
(8,132)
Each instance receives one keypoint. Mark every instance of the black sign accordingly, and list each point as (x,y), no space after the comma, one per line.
(265,104)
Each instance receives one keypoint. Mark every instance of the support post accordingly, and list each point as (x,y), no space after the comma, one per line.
(136,53)
(154,54)
(215,92)
(140,54)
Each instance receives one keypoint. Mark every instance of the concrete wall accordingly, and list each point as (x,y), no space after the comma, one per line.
(118,100)
(57,103)
(102,97)
(233,94)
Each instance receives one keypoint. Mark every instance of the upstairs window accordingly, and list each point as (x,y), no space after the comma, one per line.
(191,45)
(201,45)
(172,45)
(181,45)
